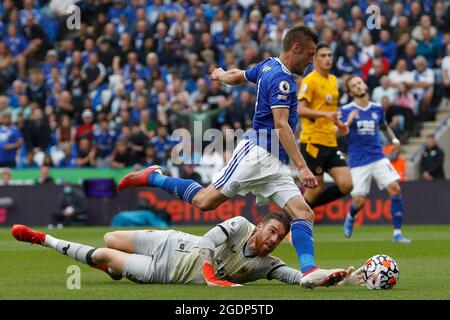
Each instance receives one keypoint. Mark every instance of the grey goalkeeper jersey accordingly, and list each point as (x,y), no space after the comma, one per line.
(182,262)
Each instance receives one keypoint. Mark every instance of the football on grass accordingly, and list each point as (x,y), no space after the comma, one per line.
(380,272)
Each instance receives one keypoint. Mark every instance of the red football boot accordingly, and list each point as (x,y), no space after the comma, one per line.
(23,233)
(137,178)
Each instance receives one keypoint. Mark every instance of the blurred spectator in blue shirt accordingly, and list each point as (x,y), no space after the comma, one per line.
(10,140)
(18,47)
(161,143)
(350,63)
(36,90)
(428,48)
(27,11)
(104,139)
(51,62)
(94,72)
(17,89)
(388,46)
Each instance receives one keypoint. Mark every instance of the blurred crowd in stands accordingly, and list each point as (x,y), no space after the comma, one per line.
(111,93)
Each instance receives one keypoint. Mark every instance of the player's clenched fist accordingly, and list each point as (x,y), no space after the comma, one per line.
(212,280)
(215,75)
(307,178)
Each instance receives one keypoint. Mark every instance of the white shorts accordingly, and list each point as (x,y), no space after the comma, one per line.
(254,169)
(142,266)
(158,255)
(382,171)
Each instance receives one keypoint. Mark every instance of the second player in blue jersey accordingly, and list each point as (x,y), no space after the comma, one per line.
(366,121)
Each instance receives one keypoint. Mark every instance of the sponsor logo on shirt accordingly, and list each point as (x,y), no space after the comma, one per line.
(366,127)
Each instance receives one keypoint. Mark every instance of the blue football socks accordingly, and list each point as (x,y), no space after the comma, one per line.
(353,211)
(303,242)
(184,189)
(397,211)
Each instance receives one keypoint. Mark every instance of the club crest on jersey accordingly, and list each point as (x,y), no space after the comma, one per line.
(284,86)
(304,87)
(374,116)
(329,98)
(234,186)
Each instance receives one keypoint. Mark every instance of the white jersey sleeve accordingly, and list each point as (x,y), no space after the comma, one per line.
(285,274)
(234,227)
(212,239)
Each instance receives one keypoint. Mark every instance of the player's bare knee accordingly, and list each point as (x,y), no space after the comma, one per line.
(317,190)
(309,215)
(203,202)
(110,239)
(358,202)
(306,214)
(206,205)
(394,189)
(99,256)
(346,187)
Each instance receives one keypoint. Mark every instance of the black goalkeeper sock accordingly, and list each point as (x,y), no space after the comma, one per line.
(89,257)
(328,195)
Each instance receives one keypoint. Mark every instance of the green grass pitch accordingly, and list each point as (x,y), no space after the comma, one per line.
(35,272)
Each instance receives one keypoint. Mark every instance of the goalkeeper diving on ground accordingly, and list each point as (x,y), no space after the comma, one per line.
(230,254)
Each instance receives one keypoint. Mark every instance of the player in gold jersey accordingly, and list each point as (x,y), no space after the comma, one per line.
(233,252)
(318,110)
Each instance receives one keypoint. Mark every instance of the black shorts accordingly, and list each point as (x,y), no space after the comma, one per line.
(327,158)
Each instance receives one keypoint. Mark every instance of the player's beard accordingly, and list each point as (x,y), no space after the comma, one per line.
(301,69)
(260,246)
(362,95)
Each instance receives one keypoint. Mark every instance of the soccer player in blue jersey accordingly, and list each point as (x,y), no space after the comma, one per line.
(365,154)
(259,162)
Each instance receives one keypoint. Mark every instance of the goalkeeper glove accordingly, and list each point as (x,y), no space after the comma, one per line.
(212,280)
(353,278)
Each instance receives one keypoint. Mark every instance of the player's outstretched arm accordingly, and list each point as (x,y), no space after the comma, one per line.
(287,139)
(343,127)
(293,276)
(387,131)
(230,77)
(287,275)
(212,239)
(304,110)
(351,116)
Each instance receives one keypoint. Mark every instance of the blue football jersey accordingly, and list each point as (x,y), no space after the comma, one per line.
(364,144)
(8,135)
(276,87)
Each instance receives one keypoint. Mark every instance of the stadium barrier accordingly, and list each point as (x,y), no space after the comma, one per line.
(29,175)
(425,203)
